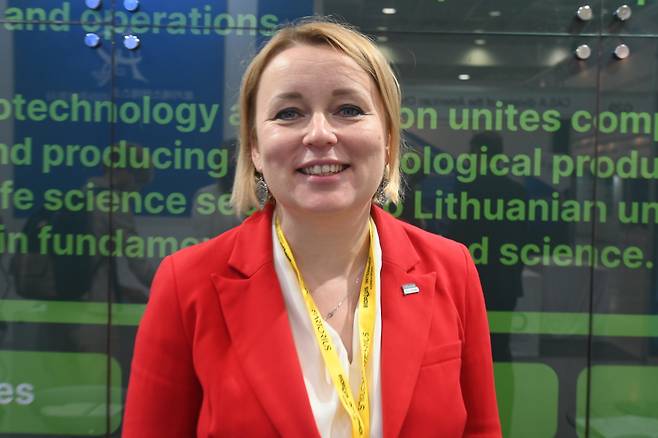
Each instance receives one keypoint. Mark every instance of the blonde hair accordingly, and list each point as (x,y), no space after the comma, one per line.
(318,32)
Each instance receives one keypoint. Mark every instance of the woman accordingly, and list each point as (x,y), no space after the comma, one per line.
(269,328)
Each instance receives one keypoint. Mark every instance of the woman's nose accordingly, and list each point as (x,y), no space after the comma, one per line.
(319,132)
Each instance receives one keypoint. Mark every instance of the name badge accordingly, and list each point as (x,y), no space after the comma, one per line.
(410,288)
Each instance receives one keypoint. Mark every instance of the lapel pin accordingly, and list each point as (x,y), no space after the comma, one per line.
(410,288)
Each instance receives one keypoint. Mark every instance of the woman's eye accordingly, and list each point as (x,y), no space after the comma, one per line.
(350,111)
(287,114)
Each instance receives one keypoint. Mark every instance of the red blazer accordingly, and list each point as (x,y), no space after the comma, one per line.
(215,356)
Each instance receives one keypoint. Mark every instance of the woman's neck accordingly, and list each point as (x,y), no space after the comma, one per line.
(326,246)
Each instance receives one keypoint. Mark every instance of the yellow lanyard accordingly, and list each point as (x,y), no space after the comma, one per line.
(359,413)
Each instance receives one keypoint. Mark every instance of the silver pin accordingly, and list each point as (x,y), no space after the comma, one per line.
(410,288)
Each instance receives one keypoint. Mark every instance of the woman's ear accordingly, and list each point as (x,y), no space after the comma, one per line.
(256,158)
(388,149)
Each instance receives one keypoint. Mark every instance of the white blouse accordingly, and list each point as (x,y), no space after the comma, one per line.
(330,416)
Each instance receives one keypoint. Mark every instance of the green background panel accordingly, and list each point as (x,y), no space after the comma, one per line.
(527,399)
(623,401)
(546,323)
(549,321)
(67,395)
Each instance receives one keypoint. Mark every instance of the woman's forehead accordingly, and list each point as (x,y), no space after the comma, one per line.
(304,58)
(305,66)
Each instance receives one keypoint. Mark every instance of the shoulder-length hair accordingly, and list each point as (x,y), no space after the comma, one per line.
(317,32)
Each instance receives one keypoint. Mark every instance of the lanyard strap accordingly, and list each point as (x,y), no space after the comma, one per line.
(359,413)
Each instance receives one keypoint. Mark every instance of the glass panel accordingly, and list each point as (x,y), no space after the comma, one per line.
(625,322)
(490,144)
(176,134)
(502,123)
(54,95)
(182,122)
(534,16)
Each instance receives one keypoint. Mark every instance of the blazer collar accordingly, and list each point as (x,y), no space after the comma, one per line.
(253,245)
(257,321)
(396,246)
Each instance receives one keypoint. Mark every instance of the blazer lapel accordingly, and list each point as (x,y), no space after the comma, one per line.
(405,320)
(257,321)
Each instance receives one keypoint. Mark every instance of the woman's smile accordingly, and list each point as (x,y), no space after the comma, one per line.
(322,169)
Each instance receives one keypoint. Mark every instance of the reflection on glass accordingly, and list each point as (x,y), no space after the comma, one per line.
(459,63)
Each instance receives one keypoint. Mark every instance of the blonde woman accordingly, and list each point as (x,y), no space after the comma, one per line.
(320,315)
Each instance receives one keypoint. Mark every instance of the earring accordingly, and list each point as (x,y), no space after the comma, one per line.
(380,197)
(262,191)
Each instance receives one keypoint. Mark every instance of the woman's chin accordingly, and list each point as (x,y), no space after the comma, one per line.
(327,205)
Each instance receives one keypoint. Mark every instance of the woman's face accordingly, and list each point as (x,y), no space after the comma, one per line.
(320,131)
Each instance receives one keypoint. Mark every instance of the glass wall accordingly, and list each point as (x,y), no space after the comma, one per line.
(531,131)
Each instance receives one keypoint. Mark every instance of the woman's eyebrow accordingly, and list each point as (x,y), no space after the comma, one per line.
(346,92)
(290,95)
(338,92)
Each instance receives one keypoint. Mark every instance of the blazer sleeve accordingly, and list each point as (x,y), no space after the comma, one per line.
(164,395)
(477,379)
